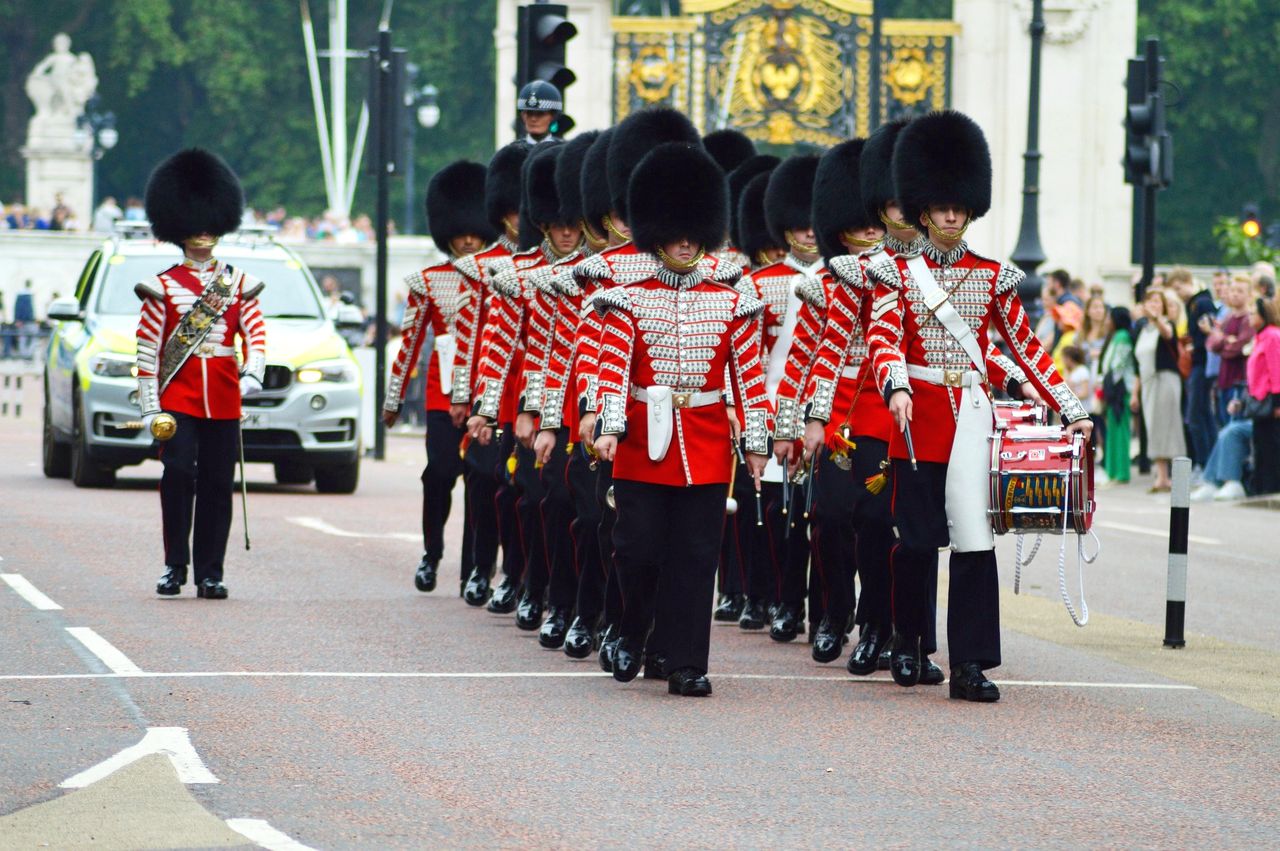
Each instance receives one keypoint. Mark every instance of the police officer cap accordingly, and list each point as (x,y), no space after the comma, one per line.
(539,96)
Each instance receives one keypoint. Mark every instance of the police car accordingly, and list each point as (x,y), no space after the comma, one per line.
(306,421)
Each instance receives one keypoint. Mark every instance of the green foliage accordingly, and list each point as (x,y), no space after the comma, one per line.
(1238,249)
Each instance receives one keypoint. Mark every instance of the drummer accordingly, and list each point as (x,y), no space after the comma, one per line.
(930,319)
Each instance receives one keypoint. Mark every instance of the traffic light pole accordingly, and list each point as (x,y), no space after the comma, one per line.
(1150,185)
(382,148)
(1028,254)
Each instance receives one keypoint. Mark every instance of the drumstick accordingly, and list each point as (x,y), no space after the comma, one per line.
(911,447)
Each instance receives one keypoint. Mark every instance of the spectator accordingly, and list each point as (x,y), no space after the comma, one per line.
(1118,372)
(1228,339)
(1068,317)
(1078,291)
(24,320)
(134,211)
(1262,405)
(107,214)
(1093,334)
(1212,360)
(1159,394)
(1198,413)
(1076,372)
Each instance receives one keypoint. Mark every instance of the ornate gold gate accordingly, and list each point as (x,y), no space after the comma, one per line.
(782,71)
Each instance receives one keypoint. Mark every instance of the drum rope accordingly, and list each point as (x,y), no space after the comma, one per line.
(1083,617)
(1020,562)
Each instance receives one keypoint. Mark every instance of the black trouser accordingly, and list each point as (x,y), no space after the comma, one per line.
(604,536)
(834,539)
(760,574)
(729,572)
(1266,455)
(973,607)
(199,475)
(586,541)
(666,541)
(873,520)
(529,489)
(505,500)
(481,513)
(788,541)
(557,517)
(444,465)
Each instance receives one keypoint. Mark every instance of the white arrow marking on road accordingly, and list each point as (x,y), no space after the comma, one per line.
(1155,533)
(29,592)
(317,525)
(104,650)
(265,835)
(173,742)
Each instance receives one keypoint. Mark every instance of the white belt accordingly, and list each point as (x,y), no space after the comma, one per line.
(662,403)
(850,372)
(699,399)
(946,377)
(212,350)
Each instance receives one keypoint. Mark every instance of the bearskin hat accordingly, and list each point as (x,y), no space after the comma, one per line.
(788,202)
(193,192)
(942,158)
(637,135)
(678,192)
(753,232)
(594,183)
(569,176)
(837,197)
(729,148)
(541,199)
(738,180)
(502,183)
(875,171)
(455,204)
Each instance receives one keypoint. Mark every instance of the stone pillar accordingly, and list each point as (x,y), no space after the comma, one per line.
(59,156)
(1086,208)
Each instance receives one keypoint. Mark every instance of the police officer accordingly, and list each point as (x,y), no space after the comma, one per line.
(539,104)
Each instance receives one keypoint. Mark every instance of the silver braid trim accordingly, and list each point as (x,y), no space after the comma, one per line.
(756,435)
(824,397)
(787,421)
(613,414)
(1068,404)
(552,408)
(149,395)
(490,400)
(461,393)
(898,378)
(535,383)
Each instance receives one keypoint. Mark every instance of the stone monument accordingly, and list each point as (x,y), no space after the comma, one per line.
(59,154)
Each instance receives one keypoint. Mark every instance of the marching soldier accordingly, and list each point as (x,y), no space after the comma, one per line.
(663,391)
(188,374)
(931,316)
(445,300)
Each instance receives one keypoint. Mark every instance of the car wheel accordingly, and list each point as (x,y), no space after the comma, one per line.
(56,457)
(338,478)
(84,472)
(292,473)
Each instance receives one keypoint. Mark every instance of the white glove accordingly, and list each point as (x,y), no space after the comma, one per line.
(249,386)
(147,420)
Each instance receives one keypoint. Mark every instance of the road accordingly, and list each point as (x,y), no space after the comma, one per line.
(337,707)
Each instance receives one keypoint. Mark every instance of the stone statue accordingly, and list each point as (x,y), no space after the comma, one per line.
(59,86)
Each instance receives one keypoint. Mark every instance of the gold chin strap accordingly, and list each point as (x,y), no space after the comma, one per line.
(675,264)
(762,257)
(942,234)
(513,233)
(894,223)
(611,228)
(551,245)
(596,242)
(200,242)
(858,242)
(796,245)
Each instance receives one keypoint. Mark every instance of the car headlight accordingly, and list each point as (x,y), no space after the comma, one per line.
(338,371)
(114,365)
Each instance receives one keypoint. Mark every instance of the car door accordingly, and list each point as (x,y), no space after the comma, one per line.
(68,338)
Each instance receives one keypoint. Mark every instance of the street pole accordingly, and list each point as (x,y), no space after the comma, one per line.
(876,118)
(1028,254)
(410,123)
(1149,184)
(382,145)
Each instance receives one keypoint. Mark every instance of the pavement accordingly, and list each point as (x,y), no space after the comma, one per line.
(328,704)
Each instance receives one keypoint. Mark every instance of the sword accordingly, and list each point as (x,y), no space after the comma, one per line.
(244,487)
(742,459)
(911,447)
(808,493)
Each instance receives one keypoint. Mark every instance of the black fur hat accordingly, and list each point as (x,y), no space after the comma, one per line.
(738,180)
(729,148)
(541,200)
(677,191)
(594,183)
(875,171)
(569,176)
(637,135)
(753,231)
(788,202)
(837,197)
(193,192)
(942,158)
(455,204)
(502,183)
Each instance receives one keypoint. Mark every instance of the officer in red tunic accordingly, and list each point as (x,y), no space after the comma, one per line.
(444,303)
(668,343)
(931,316)
(192,314)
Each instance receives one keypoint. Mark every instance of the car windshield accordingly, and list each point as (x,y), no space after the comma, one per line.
(289,293)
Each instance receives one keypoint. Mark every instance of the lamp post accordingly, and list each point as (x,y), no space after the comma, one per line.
(97,129)
(421,109)
(1028,253)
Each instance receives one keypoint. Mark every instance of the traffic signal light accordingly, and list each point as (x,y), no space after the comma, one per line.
(542,31)
(1148,150)
(1250,226)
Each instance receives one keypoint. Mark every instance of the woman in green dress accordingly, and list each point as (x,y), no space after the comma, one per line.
(1118,372)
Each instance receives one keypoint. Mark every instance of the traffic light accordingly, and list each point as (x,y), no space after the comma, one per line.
(1148,150)
(1250,226)
(542,31)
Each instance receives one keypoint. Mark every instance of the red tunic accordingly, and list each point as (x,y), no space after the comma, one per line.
(207,385)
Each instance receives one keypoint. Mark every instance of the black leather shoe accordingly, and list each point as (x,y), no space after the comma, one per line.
(551,636)
(905,665)
(828,643)
(687,682)
(754,615)
(529,613)
(786,623)
(608,640)
(580,640)
(211,589)
(885,659)
(626,661)
(729,609)
(655,666)
(477,591)
(425,578)
(865,657)
(171,583)
(503,601)
(930,674)
(969,683)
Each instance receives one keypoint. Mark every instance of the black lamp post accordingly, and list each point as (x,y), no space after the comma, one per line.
(421,108)
(99,128)
(1028,254)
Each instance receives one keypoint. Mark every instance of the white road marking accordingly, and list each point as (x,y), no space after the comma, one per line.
(552,675)
(265,835)
(1155,533)
(29,592)
(173,742)
(317,525)
(104,650)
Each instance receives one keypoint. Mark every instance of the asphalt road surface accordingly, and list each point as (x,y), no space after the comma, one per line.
(328,704)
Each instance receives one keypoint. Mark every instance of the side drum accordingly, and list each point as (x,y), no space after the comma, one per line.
(1010,414)
(1041,481)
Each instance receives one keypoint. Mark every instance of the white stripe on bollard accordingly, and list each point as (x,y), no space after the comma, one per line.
(1179,527)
